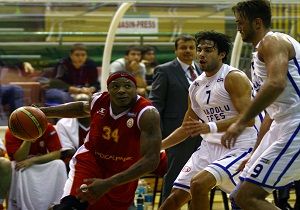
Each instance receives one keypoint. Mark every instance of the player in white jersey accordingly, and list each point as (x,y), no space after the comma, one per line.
(276,73)
(216,98)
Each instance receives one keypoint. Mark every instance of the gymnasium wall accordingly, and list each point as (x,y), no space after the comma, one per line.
(43,33)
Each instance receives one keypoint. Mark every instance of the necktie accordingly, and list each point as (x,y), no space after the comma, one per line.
(192,73)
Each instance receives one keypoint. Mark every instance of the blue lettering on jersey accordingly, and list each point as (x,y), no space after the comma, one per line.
(216,113)
(196,84)
(257,82)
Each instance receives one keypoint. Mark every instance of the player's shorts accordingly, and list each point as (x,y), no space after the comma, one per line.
(221,162)
(84,166)
(276,162)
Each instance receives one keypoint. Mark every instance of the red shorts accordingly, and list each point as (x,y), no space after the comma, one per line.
(85,166)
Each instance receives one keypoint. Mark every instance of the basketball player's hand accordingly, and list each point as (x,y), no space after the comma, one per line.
(24,164)
(229,138)
(242,165)
(194,127)
(94,189)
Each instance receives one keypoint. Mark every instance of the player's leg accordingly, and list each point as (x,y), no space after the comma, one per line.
(13,96)
(297,191)
(232,196)
(252,197)
(275,167)
(57,96)
(176,199)
(283,198)
(265,143)
(208,177)
(223,172)
(201,184)
(5,171)
(82,166)
(181,188)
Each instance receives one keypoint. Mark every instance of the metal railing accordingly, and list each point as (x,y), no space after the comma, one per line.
(18,37)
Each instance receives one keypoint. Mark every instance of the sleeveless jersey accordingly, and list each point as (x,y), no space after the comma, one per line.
(288,103)
(115,139)
(211,102)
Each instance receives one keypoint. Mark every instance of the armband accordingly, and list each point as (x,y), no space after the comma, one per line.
(212,127)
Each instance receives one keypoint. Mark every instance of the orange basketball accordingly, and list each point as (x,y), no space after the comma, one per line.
(27,123)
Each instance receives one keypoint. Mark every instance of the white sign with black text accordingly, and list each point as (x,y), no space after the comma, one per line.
(138,25)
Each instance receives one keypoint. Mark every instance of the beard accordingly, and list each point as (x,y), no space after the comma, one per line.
(249,35)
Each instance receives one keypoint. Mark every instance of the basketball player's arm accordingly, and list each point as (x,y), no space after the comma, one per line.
(264,128)
(239,89)
(23,151)
(150,142)
(181,133)
(68,110)
(52,144)
(24,164)
(276,60)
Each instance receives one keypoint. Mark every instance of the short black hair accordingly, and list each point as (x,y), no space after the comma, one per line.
(184,37)
(78,46)
(222,41)
(147,48)
(133,48)
(252,9)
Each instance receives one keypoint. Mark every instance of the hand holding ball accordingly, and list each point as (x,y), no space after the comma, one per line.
(27,123)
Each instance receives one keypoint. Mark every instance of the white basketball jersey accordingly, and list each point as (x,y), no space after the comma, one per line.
(211,102)
(288,103)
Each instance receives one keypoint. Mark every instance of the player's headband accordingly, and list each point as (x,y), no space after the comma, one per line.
(117,75)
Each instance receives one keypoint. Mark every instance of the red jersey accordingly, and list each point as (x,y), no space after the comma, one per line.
(115,139)
(48,142)
(112,146)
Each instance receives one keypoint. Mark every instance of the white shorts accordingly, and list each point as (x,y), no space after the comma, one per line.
(222,163)
(276,162)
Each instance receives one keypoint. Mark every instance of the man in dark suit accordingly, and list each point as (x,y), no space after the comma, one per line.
(169,95)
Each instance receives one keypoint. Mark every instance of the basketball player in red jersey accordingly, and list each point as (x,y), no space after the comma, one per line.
(123,144)
(27,153)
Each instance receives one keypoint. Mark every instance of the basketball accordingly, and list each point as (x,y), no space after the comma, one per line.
(27,123)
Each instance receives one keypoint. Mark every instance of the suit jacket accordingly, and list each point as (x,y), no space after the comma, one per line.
(169,94)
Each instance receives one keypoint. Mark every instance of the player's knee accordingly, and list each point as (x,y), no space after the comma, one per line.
(242,199)
(69,203)
(16,91)
(238,199)
(199,187)
(5,166)
(175,200)
(168,203)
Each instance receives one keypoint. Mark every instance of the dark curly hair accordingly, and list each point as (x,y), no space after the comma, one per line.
(222,41)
